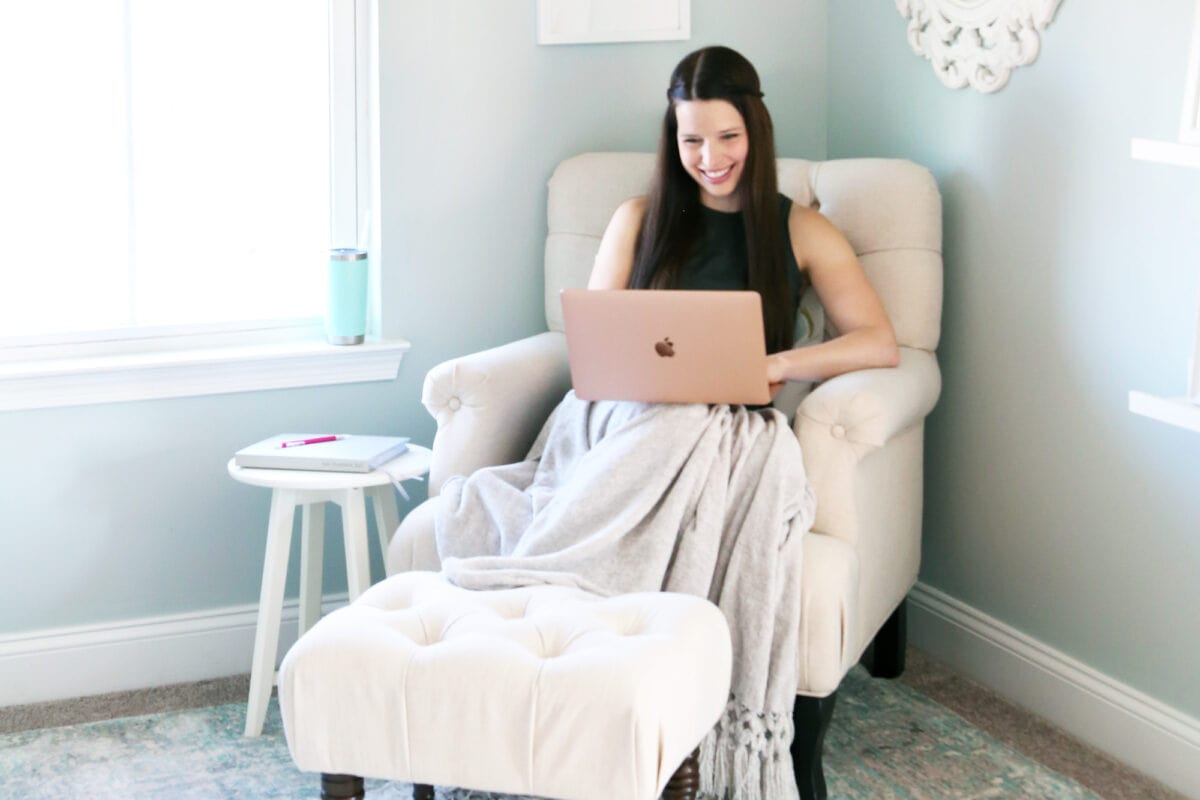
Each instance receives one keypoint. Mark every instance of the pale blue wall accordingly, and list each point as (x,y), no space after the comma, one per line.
(121,511)
(477,116)
(1071,278)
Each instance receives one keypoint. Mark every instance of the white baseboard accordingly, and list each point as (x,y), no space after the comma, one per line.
(1136,729)
(63,663)
(156,651)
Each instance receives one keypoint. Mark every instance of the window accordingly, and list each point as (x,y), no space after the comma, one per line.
(167,162)
(174,167)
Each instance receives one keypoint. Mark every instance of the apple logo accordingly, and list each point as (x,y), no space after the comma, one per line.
(665,348)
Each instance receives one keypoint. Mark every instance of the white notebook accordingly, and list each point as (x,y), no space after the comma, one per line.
(348,453)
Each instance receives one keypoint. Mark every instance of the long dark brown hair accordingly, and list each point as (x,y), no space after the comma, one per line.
(673,218)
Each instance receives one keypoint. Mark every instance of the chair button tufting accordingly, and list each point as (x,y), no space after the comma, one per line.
(837,431)
(455,404)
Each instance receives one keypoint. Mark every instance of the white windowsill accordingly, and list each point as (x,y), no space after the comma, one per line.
(53,382)
(1176,153)
(1177,411)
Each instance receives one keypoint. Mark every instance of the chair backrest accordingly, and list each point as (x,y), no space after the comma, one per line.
(890,211)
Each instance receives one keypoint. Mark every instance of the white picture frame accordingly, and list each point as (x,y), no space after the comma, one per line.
(597,21)
(1189,121)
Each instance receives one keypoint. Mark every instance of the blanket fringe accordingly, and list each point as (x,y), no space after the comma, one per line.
(747,756)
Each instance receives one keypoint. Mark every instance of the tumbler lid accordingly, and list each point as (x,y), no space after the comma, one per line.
(347,254)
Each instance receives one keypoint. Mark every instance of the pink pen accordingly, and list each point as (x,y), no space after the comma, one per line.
(313,440)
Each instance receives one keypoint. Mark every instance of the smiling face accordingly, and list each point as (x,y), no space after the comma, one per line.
(713,146)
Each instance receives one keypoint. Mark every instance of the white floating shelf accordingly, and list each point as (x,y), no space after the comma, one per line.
(1172,410)
(1183,155)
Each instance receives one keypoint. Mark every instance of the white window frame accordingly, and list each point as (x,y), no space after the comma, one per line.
(181,361)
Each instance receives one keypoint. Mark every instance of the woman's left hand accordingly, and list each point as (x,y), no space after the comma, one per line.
(776,367)
(775,378)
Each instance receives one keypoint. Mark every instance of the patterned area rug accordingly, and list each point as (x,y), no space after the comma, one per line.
(886,742)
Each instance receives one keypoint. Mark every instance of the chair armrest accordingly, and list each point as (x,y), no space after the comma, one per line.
(862,436)
(414,546)
(490,405)
(871,406)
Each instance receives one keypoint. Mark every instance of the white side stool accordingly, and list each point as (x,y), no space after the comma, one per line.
(311,490)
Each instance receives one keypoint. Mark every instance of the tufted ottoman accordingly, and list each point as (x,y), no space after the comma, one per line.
(542,690)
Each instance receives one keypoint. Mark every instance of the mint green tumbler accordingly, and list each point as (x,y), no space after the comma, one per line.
(346,310)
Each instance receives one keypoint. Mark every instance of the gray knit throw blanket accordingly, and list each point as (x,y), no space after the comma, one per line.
(627,497)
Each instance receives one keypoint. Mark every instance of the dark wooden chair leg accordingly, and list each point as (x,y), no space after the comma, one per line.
(422,791)
(685,783)
(884,657)
(811,716)
(341,787)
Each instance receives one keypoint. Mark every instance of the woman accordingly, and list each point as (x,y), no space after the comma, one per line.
(714,179)
(711,500)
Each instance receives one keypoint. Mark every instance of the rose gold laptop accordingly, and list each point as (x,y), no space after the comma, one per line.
(665,346)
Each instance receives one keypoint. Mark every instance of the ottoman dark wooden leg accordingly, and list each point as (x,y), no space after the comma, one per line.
(341,787)
(422,791)
(685,783)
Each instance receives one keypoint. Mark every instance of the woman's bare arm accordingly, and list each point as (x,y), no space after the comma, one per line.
(614,259)
(866,338)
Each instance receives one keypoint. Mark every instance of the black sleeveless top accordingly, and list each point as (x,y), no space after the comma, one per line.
(719,260)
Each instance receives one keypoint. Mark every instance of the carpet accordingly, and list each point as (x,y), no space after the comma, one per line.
(886,742)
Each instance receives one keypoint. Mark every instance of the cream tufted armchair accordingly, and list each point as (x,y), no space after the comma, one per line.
(862,433)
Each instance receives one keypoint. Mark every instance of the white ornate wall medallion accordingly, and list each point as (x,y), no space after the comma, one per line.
(977,42)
